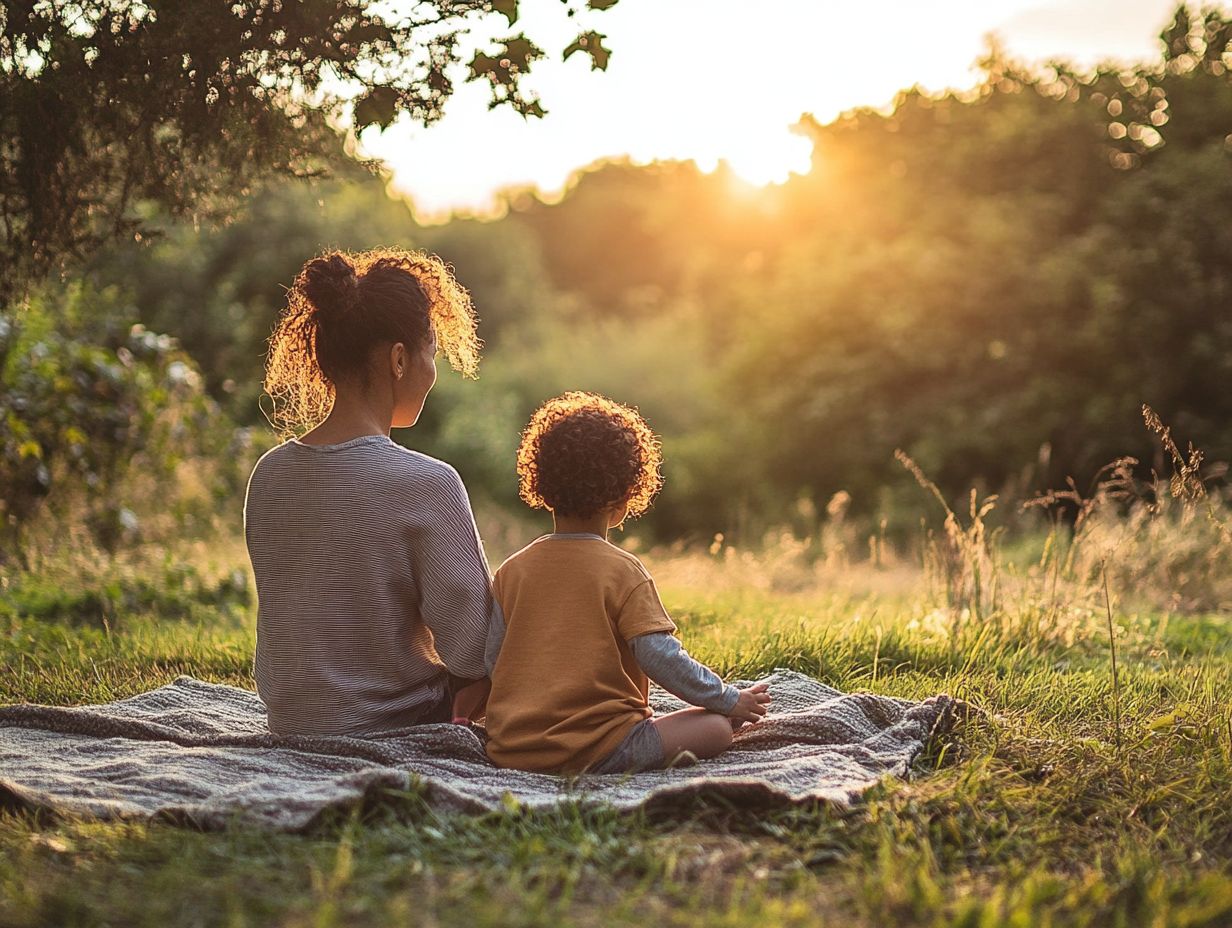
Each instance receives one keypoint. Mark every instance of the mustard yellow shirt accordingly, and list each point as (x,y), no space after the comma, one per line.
(566,689)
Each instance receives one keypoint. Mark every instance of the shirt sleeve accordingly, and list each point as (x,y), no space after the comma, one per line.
(496,636)
(642,612)
(663,659)
(455,587)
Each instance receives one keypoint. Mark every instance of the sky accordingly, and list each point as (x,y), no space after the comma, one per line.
(727,79)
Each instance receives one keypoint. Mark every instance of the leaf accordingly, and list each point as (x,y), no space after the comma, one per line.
(1163,721)
(1178,717)
(601,5)
(520,52)
(507,9)
(592,44)
(1176,36)
(514,56)
(378,106)
(483,65)
(368,32)
(504,71)
(1218,36)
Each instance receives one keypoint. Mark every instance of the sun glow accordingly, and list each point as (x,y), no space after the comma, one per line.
(724,80)
(766,160)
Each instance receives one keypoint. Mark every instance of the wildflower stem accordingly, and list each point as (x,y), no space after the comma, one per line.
(1116,685)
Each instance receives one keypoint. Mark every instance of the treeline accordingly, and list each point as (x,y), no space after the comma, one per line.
(993,281)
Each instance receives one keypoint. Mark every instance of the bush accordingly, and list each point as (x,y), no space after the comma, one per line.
(89,400)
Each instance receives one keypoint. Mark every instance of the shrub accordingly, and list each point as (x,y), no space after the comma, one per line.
(87,400)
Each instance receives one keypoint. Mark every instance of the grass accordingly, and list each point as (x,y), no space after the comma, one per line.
(1037,815)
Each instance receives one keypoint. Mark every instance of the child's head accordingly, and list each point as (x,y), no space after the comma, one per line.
(584,454)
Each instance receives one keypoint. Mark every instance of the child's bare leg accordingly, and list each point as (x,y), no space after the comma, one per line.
(701,733)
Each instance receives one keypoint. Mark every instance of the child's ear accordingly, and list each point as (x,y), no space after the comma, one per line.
(618,515)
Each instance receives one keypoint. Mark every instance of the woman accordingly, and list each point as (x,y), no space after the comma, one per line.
(372,587)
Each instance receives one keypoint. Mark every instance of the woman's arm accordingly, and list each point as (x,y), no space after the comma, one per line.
(455,589)
(662,658)
(470,702)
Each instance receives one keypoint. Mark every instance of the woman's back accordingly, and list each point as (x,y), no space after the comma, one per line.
(371,581)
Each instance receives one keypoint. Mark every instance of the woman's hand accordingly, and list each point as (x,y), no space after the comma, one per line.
(752,705)
(470,702)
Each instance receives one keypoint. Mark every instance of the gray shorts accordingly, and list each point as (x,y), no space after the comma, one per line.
(641,750)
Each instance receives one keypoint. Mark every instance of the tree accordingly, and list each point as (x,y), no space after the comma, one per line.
(108,103)
(1003,277)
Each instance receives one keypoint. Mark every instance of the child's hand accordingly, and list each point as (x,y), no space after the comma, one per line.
(753,703)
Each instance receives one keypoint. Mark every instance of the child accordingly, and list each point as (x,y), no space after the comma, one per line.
(583,624)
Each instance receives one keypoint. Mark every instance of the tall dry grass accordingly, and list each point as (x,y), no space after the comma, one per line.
(1065,569)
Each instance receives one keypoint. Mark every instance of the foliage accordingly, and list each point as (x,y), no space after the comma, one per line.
(1000,280)
(991,281)
(89,398)
(107,103)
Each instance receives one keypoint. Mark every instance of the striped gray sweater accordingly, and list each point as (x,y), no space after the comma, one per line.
(371,584)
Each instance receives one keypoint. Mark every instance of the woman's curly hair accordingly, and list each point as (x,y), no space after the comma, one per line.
(582,453)
(341,306)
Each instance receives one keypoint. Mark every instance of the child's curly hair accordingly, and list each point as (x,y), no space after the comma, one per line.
(341,306)
(582,452)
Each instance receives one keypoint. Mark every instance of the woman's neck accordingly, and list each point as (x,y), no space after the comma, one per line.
(354,414)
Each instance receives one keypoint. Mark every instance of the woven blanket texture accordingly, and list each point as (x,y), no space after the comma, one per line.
(201,754)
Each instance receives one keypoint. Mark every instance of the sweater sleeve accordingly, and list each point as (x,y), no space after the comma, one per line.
(662,658)
(455,588)
(496,636)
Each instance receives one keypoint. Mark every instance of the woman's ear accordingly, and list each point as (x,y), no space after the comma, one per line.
(397,360)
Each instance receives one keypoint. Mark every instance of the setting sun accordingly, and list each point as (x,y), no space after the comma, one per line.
(764,160)
(683,83)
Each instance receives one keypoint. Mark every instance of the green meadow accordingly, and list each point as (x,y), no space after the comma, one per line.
(1070,797)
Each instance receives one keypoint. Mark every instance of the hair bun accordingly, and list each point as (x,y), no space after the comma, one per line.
(331,285)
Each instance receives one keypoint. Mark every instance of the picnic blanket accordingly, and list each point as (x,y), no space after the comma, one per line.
(201,754)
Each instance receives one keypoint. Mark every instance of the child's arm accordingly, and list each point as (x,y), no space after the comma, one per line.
(665,661)
(645,625)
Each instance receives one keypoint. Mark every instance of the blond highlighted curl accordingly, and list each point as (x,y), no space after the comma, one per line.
(342,305)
